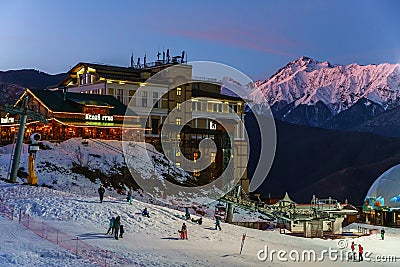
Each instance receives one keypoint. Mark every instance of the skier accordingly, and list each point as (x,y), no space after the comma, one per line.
(187,214)
(101,191)
(217,222)
(121,231)
(117,225)
(183,232)
(129,197)
(360,252)
(383,234)
(111,226)
(145,213)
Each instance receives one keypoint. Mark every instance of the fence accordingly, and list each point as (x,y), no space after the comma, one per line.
(73,244)
(6,210)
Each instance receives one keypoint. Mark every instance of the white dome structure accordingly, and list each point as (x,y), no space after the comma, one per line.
(385,191)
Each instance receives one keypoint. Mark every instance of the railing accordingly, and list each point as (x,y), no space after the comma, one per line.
(73,244)
(205,79)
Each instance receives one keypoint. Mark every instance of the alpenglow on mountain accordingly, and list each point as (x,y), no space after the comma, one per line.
(321,94)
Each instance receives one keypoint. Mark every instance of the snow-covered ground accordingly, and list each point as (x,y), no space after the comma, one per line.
(150,241)
(72,207)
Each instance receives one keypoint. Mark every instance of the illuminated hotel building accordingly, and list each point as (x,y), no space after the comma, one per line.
(91,103)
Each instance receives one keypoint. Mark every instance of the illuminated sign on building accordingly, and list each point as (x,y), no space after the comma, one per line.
(7,120)
(213,125)
(98,117)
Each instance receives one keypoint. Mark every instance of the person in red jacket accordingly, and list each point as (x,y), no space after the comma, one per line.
(353,253)
(360,252)
(183,232)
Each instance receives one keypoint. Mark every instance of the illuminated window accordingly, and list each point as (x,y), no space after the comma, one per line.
(178,91)
(178,136)
(178,121)
(212,157)
(178,106)
(195,156)
(178,164)
(178,153)
(196,173)
(209,107)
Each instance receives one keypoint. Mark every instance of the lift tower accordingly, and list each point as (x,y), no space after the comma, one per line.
(23,113)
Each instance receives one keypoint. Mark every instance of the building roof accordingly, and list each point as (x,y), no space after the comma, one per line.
(200,93)
(116,72)
(54,100)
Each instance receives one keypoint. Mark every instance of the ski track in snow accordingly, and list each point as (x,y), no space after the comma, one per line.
(147,241)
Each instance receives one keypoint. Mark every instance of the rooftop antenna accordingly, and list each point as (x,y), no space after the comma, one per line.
(168,56)
(158,55)
(183,56)
(132,62)
(163,56)
(138,62)
(144,60)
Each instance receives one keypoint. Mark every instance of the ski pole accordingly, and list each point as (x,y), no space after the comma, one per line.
(241,246)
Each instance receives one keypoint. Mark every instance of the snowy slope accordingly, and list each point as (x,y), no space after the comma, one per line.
(53,165)
(307,81)
(149,241)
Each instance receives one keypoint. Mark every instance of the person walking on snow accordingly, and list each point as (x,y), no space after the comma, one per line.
(117,225)
(360,252)
(146,213)
(383,234)
(217,222)
(121,231)
(101,191)
(111,226)
(184,232)
(187,214)
(129,197)
(352,250)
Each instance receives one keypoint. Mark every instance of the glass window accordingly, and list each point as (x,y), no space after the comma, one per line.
(178,91)
(156,104)
(219,107)
(178,153)
(144,98)
(178,106)
(233,108)
(178,121)
(120,94)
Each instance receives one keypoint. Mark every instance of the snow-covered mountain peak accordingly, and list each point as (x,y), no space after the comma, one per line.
(306,81)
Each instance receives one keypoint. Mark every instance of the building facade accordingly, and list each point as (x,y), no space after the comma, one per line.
(92,103)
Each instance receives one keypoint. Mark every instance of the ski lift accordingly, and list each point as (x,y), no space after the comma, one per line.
(220,210)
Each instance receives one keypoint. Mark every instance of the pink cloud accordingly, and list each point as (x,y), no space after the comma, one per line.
(242,39)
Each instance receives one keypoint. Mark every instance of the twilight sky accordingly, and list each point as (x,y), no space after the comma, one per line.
(257,38)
